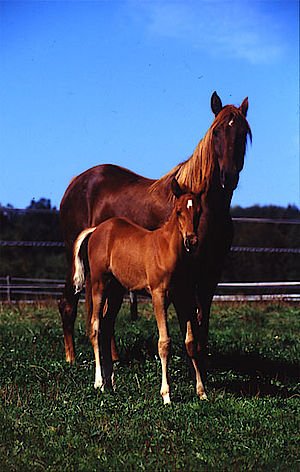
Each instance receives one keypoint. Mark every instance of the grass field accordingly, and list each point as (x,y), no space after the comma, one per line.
(52,419)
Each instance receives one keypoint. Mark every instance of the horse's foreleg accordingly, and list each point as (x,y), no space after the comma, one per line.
(68,311)
(202,313)
(193,353)
(204,296)
(207,276)
(163,343)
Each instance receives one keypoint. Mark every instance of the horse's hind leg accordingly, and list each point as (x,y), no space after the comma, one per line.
(68,311)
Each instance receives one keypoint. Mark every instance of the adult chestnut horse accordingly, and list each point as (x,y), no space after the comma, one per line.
(106,191)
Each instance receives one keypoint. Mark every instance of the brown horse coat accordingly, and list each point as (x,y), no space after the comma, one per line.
(106,191)
(140,259)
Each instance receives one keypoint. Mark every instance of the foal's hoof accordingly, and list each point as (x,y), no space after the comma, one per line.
(166,399)
(203,396)
(98,385)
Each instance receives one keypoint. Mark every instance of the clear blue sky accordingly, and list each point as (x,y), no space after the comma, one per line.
(129,82)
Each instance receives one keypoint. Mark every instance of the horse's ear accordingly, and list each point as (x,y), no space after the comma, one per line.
(216,104)
(244,107)
(176,189)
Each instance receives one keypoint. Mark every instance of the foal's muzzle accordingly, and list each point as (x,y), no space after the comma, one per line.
(190,242)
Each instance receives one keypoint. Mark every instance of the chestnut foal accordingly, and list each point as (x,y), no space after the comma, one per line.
(139,259)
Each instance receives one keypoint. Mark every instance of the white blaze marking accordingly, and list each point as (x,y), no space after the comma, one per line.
(189,204)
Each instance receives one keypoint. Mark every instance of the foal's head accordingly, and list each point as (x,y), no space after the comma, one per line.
(187,209)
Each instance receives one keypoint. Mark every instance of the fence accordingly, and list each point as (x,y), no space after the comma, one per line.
(14,289)
(18,288)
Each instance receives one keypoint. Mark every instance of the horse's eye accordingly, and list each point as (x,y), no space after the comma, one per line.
(178,212)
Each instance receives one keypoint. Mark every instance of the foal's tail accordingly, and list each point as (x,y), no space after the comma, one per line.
(78,264)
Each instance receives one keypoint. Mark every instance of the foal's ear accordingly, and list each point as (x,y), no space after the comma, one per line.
(176,189)
(244,107)
(199,195)
(216,104)
(203,188)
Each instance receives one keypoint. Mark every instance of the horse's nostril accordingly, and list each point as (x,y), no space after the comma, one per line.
(193,239)
(190,242)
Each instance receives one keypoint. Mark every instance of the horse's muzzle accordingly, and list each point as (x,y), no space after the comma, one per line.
(190,242)
(229,180)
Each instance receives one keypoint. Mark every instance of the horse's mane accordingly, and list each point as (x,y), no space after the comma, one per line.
(191,173)
(197,171)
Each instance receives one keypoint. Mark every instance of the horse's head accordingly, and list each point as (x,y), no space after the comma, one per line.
(229,137)
(187,209)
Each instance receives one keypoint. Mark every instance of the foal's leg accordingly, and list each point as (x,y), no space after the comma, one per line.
(185,308)
(164,341)
(89,305)
(98,305)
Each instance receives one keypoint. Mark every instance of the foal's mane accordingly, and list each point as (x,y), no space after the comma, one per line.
(196,172)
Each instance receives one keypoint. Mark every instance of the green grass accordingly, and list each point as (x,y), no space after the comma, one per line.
(52,419)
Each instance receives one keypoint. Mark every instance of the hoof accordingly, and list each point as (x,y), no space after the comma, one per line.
(166,399)
(70,359)
(99,385)
(203,396)
(113,382)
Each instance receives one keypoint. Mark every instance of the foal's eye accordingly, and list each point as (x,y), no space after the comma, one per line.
(178,212)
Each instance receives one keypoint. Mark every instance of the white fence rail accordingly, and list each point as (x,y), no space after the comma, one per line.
(14,289)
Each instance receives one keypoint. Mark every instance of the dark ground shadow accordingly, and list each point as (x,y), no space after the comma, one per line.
(255,375)
(248,375)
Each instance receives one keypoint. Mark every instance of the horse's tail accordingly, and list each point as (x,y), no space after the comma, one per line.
(78,262)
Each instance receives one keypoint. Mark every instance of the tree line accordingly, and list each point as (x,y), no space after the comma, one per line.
(42,224)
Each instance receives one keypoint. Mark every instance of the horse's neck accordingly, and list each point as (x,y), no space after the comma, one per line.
(216,200)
